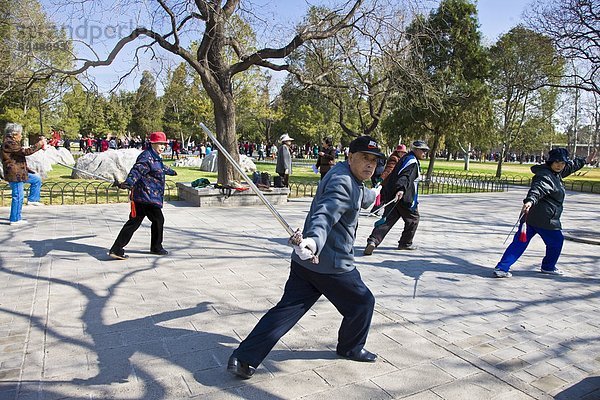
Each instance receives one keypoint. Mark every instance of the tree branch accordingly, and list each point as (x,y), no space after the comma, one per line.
(282,52)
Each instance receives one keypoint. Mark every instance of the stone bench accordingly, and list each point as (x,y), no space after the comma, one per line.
(211,197)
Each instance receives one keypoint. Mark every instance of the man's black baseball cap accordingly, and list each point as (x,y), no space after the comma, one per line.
(366,144)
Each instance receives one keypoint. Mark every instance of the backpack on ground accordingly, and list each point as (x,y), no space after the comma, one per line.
(265,179)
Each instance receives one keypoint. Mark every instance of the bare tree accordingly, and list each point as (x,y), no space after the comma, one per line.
(521,60)
(594,115)
(355,70)
(219,56)
(574,27)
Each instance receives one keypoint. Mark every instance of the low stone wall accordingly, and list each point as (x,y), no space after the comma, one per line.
(211,197)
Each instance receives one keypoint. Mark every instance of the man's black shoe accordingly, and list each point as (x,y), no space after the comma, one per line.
(362,356)
(161,252)
(240,368)
(121,256)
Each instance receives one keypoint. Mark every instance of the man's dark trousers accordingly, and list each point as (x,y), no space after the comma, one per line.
(393,213)
(346,291)
(142,210)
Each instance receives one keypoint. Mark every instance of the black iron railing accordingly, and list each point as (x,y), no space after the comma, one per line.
(440,183)
(81,192)
(97,192)
(570,184)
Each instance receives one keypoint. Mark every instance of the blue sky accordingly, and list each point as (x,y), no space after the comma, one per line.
(495,16)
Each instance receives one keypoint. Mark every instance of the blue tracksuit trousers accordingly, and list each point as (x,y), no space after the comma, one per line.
(552,238)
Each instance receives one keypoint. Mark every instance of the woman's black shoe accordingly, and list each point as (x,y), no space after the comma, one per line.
(118,256)
(161,252)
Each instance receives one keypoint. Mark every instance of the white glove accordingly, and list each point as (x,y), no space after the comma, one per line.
(399,195)
(286,172)
(306,249)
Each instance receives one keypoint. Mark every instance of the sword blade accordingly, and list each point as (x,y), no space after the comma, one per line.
(85,172)
(239,169)
(513,228)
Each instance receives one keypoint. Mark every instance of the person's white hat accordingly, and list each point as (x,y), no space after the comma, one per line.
(285,137)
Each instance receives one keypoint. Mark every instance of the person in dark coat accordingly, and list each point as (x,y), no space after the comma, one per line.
(392,160)
(542,208)
(402,184)
(16,172)
(323,264)
(147,183)
(326,157)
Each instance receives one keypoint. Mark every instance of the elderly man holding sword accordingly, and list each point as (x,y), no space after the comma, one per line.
(323,264)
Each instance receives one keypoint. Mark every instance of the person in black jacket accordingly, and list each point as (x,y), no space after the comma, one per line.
(401,183)
(542,208)
(326,158)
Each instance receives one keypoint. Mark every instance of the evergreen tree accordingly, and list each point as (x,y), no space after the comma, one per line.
(524,62)
(454,98)
(175,101)
(146,111)
(29,42)
(118,112)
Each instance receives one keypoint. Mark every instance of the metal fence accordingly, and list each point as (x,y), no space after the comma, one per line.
(81,192)
(447,182)
(96,192)
(574,185)
(440,183)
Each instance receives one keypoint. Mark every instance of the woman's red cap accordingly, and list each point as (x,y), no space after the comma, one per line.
(158,137)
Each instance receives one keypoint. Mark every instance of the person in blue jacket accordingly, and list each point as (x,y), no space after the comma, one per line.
(542,208)
(323,264)
(147,183)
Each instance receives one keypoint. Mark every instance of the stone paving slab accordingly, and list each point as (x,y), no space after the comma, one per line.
(76,324)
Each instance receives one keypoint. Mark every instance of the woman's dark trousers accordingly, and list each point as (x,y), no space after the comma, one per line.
(155,215)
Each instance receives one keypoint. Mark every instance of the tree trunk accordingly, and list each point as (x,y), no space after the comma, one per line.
(225,124)
(432,151)
(500,160)
(467,157)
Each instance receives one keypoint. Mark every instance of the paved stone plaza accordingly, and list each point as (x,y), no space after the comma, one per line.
(76,324)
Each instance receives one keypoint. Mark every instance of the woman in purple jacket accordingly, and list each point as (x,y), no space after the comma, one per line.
(147,183)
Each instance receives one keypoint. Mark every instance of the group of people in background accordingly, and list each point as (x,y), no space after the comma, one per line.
(397,179)
(91,144)
(269,151)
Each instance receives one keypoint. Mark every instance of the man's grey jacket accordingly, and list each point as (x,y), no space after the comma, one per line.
(333,219)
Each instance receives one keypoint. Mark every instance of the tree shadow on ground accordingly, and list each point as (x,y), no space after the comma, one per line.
(41,248)
(419,263)
(586,389)
(113,346)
